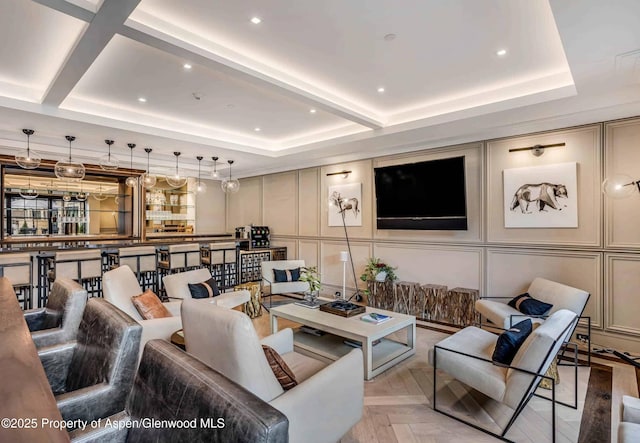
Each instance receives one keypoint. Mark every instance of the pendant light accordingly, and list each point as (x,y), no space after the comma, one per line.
(82,196)
(68,170)
(202,187)
(131,181)
(100,196)
(107,162)
(215,173)
(29,193)
(147,180)
(176,180)
(27,158)
(66,197)
(230,185)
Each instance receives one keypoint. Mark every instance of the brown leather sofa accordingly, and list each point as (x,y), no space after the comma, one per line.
(171,385)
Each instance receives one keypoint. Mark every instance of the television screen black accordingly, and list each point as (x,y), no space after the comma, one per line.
(428,195)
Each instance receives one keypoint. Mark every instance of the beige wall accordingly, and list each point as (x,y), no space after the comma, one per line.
(601,255)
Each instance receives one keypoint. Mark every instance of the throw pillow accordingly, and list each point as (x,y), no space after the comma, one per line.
(529,305)
(285,275)
(510,341)
(281,370)
(149,305)
(205,289)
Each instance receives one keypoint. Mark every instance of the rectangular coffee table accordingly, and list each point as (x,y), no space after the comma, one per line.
(330,346)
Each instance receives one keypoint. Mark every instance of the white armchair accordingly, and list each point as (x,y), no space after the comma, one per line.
(268,279)
(177,287)
(629,427)
(328,399)
(466,356)
(119,285)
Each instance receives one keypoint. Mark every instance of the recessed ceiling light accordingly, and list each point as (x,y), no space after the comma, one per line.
(501,52)
(142,99)
(380,89)
(389,37)
(256,20)
(187,66)
(256,129)
(313,111)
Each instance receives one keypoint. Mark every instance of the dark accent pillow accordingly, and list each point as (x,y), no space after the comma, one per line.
(529,305)
(149,305)
(205,289)
(281,370)
(285,275)
(510,341)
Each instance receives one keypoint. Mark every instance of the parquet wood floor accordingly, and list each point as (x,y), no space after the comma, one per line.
(398,408)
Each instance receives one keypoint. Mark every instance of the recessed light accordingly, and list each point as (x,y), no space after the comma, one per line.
(501,52)
(187,66)
(389,37)
(256,20)
(380,89)
(313,111)
(256,129)
(142,99)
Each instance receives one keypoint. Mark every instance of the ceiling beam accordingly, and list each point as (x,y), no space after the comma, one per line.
(319,99)
(103,26)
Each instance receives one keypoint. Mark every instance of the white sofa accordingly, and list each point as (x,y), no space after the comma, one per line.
(269,286)
(119,285)
(176,287)
(328,399)
(559,295)
(629,427)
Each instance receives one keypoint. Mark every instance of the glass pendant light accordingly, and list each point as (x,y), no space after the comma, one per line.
(176,180)
(100,196)
(82,196)
(131,181)
(68,170)
(27,158)
(29,193)
(202,187)
(215,173)
(230,185)
(107,162)
(147,180)
(66,197)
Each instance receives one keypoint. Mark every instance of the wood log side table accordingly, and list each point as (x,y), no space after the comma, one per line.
(434,299)
(462,302)
(252,308)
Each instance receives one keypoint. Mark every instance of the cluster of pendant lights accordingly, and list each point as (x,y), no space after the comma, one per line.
(69,170)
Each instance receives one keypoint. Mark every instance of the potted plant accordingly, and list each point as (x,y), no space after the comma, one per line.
(377,270)
(310,275)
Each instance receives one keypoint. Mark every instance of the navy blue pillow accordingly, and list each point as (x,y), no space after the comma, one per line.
(285,275)
(529,306)
(205,289)
(510,341)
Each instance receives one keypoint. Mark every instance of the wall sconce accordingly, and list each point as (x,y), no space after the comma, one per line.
(537,150)
(344,174)
(619,186)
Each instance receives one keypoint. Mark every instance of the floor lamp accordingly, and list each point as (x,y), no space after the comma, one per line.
(349,257)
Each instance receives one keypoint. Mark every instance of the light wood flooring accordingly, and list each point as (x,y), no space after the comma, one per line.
(398,403)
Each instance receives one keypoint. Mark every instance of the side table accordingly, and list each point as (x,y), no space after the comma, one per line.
(252,308)
(177,338)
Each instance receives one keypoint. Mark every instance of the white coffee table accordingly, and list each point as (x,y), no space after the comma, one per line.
(330,346)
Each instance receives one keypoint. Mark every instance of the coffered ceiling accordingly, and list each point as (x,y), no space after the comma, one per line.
(314,82)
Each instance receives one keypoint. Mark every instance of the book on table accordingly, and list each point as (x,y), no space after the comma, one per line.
(375,318)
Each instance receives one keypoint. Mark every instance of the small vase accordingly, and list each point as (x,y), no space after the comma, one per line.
(381,276)
(311,296)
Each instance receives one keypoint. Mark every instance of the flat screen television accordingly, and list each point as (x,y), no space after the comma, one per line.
(428,195)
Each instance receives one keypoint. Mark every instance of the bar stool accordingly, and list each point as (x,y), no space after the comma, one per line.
(220,258)
(17,268)
(143,262)
(177,258)
(85,267)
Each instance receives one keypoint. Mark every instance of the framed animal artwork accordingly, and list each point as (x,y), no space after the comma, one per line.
(345,201)
(541,196)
